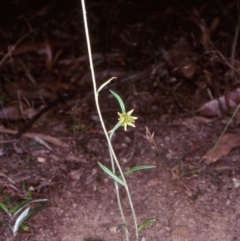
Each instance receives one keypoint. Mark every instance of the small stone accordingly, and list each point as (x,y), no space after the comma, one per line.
(236,182)
(76,174)
(228,202)
(68,194)
(169,156)
(74,205)
(41,159)
(113,229)
(152,182)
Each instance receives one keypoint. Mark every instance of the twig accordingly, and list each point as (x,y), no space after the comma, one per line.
(8,54)
(234,45)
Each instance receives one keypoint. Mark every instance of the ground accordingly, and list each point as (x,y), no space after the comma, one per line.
(190,198)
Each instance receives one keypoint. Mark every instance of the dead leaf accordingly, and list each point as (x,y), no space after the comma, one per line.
(15,113)
(104,75)
(205,39)
(29,48)
(222,105)
(9,113)
(49,55)
(188,70)
(181,58)
(225,145)
(42,142)
(26,92)
(51,139)
(76,174)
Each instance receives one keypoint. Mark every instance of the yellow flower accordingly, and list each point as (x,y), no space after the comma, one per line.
(126,119)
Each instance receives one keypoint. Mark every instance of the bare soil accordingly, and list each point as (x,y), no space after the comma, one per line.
(187,206)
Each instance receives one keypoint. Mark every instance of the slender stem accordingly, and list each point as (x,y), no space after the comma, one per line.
(117,190)
(234,45)
(101,119)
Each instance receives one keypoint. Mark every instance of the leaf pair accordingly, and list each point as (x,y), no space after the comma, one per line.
(118,179)
(16,209)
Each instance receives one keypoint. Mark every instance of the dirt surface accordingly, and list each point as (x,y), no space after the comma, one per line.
(165,74)
(202,206)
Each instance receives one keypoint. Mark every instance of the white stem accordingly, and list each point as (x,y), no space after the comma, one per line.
(101,119)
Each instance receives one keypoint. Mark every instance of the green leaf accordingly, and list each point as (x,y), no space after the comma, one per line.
(3,222)
(5,209)
(29,194)
(24,227)
(36,209)
(138,168)
(119,101)
(114,129)
(19,205)
(111,174)
(146,223)
(7,198)
(23,185)
(27,213)
(29,202)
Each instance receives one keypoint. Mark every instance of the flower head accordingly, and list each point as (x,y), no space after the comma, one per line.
(126,119)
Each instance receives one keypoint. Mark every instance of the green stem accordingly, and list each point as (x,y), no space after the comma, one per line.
(117,189)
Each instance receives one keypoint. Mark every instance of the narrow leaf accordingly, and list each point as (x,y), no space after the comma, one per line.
(111,132)
(137,168)
(24,227)
(20,220)
(18,206)
(29,202)
(119,101)
(35,210)
(5,209)
(29,195)
(111,174)
(3,222)
(105,83)
(146,223)
(24,188)
(26,216)
(7,198)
